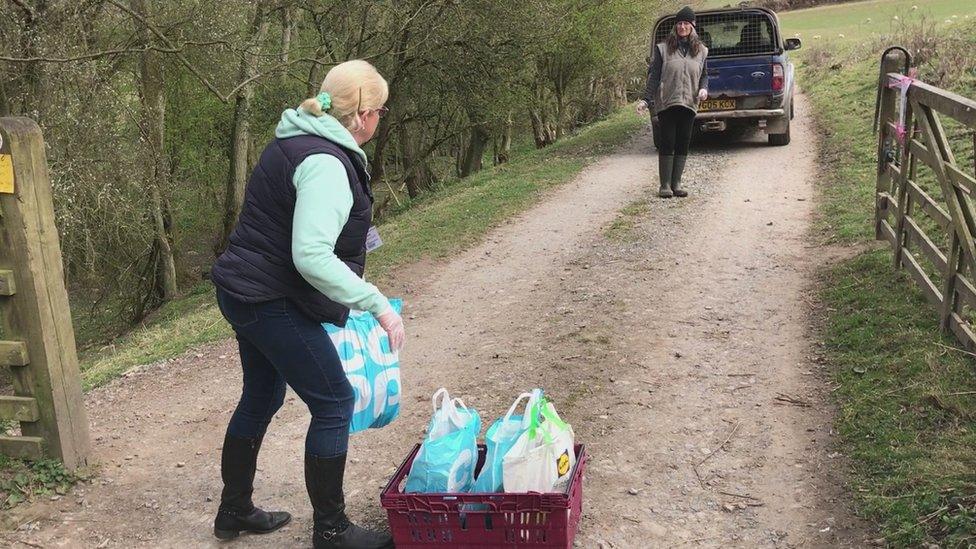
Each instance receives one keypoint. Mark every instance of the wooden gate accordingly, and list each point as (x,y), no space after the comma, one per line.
(37,342)
(925,207)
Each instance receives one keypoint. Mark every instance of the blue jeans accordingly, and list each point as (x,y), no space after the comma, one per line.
(278,345)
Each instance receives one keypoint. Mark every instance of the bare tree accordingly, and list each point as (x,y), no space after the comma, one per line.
(241,132)
(153,129)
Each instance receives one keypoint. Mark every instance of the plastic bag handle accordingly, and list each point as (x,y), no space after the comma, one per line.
(534,414)
(450,405)
(456,418)
(511,411)
(537,395)
(433,400)
(549,412)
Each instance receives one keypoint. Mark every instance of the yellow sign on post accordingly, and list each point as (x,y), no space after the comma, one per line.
(6,174)
(6,168)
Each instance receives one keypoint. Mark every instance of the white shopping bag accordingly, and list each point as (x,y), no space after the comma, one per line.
(543,457)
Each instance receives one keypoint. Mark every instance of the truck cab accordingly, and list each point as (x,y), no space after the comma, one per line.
(750,75)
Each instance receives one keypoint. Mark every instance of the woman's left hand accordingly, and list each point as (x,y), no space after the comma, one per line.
(392,324)
(702,95)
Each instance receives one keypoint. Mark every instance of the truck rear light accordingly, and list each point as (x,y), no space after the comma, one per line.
(778,77)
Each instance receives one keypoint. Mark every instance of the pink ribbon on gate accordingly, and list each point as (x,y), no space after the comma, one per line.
(902,82)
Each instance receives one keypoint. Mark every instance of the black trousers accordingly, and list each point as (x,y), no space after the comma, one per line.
(675,124)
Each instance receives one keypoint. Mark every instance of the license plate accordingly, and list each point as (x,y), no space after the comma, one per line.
(717,105)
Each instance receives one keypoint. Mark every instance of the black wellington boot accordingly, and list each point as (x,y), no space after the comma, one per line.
(679,168)
(237,513)
(665,163)
(332,530)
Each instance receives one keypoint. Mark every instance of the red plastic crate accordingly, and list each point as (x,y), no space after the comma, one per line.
(481,521)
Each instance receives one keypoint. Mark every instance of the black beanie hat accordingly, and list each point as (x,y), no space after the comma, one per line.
(685,14)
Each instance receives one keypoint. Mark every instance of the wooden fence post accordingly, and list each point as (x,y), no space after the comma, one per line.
(37,341)
(886,112)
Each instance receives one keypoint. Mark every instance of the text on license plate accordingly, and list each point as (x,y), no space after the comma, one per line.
(717,105)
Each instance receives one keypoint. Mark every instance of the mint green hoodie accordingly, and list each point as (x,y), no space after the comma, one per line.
(322,208)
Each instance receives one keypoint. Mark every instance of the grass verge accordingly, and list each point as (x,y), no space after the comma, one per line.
(907,406)
(449,220)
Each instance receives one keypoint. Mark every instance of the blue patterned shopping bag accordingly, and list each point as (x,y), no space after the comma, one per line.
(372,368)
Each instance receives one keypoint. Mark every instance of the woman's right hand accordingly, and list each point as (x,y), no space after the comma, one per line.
(392,323)
(642,107)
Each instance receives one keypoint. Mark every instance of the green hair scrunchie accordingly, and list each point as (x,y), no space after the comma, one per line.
(325,99)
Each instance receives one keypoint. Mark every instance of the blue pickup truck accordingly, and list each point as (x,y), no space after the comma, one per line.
(750,75)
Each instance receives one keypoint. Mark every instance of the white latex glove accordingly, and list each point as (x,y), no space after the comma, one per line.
(642,107)
(392,323)
(702,95)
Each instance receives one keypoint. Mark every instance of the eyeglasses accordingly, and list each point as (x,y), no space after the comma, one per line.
(381,112)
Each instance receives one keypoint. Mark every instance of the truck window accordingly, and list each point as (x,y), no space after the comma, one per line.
(739,33)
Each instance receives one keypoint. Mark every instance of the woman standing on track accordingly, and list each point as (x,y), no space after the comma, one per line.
(677,81)
(296,260)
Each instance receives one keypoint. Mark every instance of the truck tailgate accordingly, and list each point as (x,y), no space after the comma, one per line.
(740,76)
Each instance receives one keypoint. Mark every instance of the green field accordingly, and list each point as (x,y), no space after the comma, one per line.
(700,5)
(856,21)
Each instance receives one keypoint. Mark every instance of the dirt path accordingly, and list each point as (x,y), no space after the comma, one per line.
(658,345)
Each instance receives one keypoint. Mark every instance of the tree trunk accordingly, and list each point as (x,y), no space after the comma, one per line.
(383,131)
(474,153)
(152,126)
(557,126)
(241,131)
(458,152)
(418,175)
(538,129)
(559,90)
(378,162)
(315,76)
(4,100)
(30,92)
(287,23)
(505,143)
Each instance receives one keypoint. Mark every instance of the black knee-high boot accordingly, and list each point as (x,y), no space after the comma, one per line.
(332,530)
(237,513)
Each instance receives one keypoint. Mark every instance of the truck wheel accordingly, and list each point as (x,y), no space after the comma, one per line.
(780,139)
